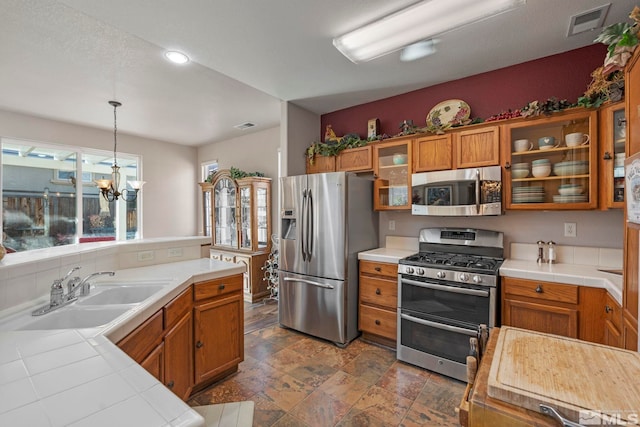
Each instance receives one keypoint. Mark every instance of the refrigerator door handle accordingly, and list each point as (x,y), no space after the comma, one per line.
(303,216)
(308,282)
(310,224)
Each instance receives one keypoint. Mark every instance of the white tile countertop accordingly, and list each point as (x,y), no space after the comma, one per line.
(576,266)
(395,249)
(80,377)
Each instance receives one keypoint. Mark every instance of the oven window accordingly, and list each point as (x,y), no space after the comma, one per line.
(451,305)
(438,342)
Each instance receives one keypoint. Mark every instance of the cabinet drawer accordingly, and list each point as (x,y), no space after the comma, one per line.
(139,343)
(216,287)
(381,292)
(541,290)
(379,269)
(177,307)
(378,322)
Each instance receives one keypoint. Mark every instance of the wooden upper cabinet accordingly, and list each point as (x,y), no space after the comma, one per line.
(477,147)
(358,159)
(433,153)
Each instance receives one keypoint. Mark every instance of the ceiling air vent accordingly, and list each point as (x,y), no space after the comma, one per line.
(588,20)
(245,125)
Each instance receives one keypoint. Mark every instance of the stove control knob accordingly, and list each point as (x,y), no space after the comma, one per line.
(441,274)
(420,271)
(464,277)
(477,279)
(409,270)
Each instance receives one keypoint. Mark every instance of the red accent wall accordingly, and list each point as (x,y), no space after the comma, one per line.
(565,76)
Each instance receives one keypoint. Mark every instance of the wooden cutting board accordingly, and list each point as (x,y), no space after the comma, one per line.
(530,368)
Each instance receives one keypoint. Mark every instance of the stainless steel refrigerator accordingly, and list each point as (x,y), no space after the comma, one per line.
(326,219)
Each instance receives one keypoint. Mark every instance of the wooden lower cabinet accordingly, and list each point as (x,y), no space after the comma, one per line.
(178,357)
(630,332)
(219,327)
(612,323)
(254,288)
(556,308)
(195,339)
(377,317)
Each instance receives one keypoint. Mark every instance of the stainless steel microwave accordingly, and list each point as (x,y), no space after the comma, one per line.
(458,192)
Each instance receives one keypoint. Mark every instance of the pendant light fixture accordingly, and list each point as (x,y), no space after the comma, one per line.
(110,187)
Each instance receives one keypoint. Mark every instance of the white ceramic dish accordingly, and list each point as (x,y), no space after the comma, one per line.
(570,191)
(520,173)
(541,171)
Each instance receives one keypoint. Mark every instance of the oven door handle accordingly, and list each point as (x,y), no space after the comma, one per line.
(475,292)
(449,328)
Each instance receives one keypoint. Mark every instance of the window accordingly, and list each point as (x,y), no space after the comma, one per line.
(44,204)
(208,169)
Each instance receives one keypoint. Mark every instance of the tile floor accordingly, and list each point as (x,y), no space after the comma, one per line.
(296,381)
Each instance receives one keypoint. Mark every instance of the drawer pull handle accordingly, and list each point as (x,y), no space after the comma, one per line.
(221,287)
(608,309)
(377,322)
(170,384)
(378,291)
(539,289)
(199,344)
(378,269)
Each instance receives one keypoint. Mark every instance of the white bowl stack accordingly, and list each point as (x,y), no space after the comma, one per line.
(520,170)
(541,168)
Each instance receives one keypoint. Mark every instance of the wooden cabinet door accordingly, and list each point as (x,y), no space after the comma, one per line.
(630,332)
(178,363)
(612,335)
(358,159)
(154,363)
(219,328)
(433,153)
(477,147)
(144,339)
(541,318)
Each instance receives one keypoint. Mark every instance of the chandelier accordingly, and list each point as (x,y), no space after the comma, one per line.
(110,187)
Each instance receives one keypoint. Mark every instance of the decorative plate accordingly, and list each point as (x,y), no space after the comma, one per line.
(448,113)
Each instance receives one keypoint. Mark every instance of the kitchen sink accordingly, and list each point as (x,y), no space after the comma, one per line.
(123,294)
(70,318)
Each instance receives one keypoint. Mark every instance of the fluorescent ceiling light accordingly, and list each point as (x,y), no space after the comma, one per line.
(177,57)
(421,21)
(418,50)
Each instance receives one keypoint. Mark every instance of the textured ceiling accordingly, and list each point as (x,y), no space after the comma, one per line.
(65,59)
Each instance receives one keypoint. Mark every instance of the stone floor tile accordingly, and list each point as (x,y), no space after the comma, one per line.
(441,394)
(321,409)
(309,346)
(286,391)
(420,416)
(368,366)
(290,421)
(383,405)
(358,418)
(312,373)
(403,381)
(345,387)
(266,413)
(286,360)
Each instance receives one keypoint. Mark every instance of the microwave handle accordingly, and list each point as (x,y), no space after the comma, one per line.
(478,191)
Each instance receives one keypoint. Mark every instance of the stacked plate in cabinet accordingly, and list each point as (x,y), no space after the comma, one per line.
(570,193)
(533,194)
(573,167)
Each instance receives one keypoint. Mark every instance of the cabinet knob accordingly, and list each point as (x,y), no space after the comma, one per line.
(539,289)
(221,287)
(378,291)
(507,166)
(608,309)
(199,344)
(378,269)
(607,156)
(377,322)
(170,384)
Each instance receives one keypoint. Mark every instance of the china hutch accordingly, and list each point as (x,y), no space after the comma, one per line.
(237,216)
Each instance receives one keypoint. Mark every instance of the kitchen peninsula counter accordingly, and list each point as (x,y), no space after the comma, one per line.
(80,377)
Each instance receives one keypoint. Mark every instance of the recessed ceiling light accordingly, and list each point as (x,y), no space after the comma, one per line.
(177,57)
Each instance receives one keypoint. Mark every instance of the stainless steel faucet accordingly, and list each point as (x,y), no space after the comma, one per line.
(83,285)
(59,299)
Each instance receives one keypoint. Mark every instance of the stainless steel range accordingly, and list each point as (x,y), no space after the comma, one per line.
(445,292)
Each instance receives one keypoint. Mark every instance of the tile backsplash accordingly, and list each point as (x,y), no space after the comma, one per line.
(27,276)
(601,257)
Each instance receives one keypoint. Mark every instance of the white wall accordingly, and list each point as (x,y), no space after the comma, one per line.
(169,206)
(300,128)
(254,152)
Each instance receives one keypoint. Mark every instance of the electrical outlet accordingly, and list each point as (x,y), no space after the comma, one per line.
(174,252)
(570,229)
(145,256)
(392,225)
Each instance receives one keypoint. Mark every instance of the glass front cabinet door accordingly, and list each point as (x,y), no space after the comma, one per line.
(392,171)
(612,154)
(225,231)
(552,162)
(255,214)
